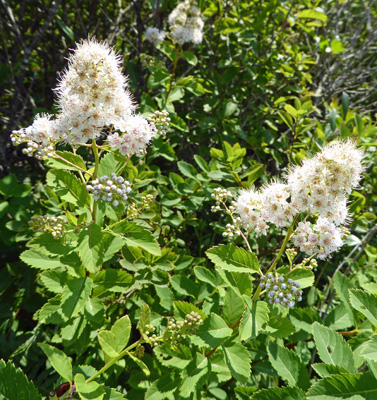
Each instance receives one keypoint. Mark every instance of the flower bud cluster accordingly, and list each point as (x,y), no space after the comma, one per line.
(153,338)
(281,290)
(110,189)
(44,223)
(159,119)
(175,329)
(147,200)
(220,195)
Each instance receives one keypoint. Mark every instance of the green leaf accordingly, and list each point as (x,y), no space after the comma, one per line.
(9,187)
(60,362)
(212,332)
(75,295)
(190,57)
(288,365)
(90,248)
(233,307)
(303,276)
(230,108)
(54,281)
(42,261)
(187,170)
(312,14)
(193,375)
(345,386)
(47,244)
(366,303)
(109,165)
(332,348)
(145,318)
(369,349)
(205,275)
(115,340)
(342,285)
(163,388)
(65,28)
(76,189)
(113,280)
(345,104)
(68,159)
(88,391)
(234,259)
(178,357)
(238,360)
(291,110)
(14,385)
(283,393)
(325,370)
(140,364)
(254,318)
(303,318)
(137,236)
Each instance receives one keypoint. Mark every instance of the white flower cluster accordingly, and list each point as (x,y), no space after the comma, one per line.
(323,238)
(92,95)
(38,137)
(186,23)
(269,205)
(319,187)
(154,35)
(109,189)
(321,184)
(220,195)
(280,291)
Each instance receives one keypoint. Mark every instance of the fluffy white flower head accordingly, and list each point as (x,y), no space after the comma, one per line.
(154,35)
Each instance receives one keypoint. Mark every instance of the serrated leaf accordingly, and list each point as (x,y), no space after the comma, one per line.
(205,275)
(15,385)
(366,303)
(193,375)
(187,170)
(303,318)
(162,389)
(68,161)
(355,386)
(88,391)
(253,320)
(113,280)
(90,248)
(238,360)
(73,185)
(212,332)
(42,261)
(75,295)
(60,362)
(145,318)
(332,348)
(233,307)
(284,393)
(109,165)
(369,349)
(324,370)
(47,244)
(288,365)
(234,259)
(137,236)
(178,357)
(342,284)
(54,281)
(51,312)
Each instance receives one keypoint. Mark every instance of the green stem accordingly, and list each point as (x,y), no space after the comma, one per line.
(114,360)
(175,62)
(95,172)
(278,257)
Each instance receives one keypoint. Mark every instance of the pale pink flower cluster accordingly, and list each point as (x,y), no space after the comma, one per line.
(154,35)
(186,23)
(319,187)
(92,95)
(323,238)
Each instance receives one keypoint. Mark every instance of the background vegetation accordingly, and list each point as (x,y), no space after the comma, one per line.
(271,84)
